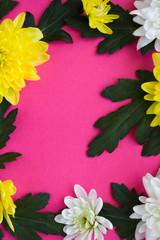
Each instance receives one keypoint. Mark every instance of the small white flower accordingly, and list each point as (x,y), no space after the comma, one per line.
(148,15)
(81,216)
(149,211)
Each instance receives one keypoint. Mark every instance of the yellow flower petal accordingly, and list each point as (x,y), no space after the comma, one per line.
(97,12)
(1,98)
(20,50)
(149,97)
(1,212)
(12,96)
(19,21)
(149,87)
(8,220)
(104,29)
(156,59)
(156,72)
(156,121)
(30,73)
(151,109)
(9,187)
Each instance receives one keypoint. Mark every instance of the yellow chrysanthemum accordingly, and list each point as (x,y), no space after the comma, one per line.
(153,90)
(20,50)
(97,12)
(7,206)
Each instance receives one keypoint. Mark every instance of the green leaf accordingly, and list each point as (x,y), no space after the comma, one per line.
(8,157)
(81,23)
(147,48)
(120,216)
(1,234)
(152,146)
(143,130)
(28,221)
(123,29)
(6,6)
(29,21)
(52,19)
(117,125)
(6,122)
(58,35)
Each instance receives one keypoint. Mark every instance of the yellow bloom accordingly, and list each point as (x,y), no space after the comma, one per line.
(7,207)
(153,90)
(97,12)
(20,50)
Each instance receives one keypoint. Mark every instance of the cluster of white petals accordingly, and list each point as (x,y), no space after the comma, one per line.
(148,15)
(81,217)
(149,211)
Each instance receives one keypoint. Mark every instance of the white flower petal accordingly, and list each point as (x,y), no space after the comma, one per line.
(157,45)
(151,33)
(60,219)
(138,235)
(142,42)
(139,32)
(105,222)
(141,4)
(70,237)
(135,216)
(93,194)
(100,236)
(139,20)
(99,206)
(142,199)
(158,174)
(71,230)
(80,192)
(69,202)
(102,229)
(66,213)
(140,209)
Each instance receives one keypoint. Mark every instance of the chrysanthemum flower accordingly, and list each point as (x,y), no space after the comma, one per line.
(7,207)
(97,12)
(149,211)
(20,50)
(81,218)
(153,90)
(148,15)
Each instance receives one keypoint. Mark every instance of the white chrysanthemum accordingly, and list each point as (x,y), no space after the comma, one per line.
(81,218)
(149,211)
(148,15)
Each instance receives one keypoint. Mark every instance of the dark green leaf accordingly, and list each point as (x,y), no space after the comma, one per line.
(152,146)
(120,216)
(1,234)
(125,89)
(6,122)
(28,221)
(81,23)
(52,20)
(6,6)
(58,35)
(123,29)
(143,130)
(117,125)
(8,157)
(147,48)
(29,21)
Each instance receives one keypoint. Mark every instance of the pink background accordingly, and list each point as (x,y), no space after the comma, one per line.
(56,117)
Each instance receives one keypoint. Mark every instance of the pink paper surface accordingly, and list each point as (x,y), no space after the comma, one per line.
(56,117)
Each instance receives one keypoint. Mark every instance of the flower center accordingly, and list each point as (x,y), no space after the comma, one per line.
(86,219)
